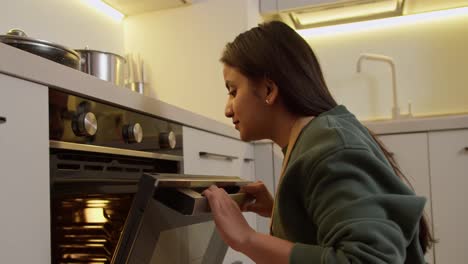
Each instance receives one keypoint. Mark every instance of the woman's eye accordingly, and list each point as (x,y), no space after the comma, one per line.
(232,93)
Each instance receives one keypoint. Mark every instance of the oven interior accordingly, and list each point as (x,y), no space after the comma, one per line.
(91,195)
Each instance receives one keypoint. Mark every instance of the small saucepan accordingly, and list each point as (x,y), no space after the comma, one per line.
(104,65)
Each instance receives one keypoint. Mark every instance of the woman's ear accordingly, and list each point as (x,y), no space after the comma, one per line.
(271,92)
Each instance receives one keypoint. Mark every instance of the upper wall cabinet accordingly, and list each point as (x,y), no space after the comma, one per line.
(315,13)
(135,7)
(273,6)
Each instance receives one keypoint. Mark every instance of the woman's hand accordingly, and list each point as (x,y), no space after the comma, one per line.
(230,222)
(263,203)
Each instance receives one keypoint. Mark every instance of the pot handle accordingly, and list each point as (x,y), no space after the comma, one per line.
(17,32)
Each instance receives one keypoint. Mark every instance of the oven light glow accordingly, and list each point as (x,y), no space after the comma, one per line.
(94,215)
(384,23)
(97,203)
(106,9)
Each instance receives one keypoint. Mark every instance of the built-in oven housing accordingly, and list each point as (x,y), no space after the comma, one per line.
(118,192)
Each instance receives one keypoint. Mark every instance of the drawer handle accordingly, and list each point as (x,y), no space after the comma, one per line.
(2,119)
(216,156)
(248,160)
(466,148)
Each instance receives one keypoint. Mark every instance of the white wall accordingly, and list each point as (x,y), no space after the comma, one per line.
(71,23)
(431,59)
(181,48)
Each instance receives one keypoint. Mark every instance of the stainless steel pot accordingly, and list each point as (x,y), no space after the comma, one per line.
(55,52)
(104,65)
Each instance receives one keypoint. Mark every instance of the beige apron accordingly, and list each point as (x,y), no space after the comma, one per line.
(295,131)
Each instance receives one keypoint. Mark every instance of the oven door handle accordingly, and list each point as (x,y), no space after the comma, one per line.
(201,204)
(189,201)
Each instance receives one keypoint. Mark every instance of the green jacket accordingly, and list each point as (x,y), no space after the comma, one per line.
(341,202)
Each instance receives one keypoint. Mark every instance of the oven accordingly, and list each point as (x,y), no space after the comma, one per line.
(118,192)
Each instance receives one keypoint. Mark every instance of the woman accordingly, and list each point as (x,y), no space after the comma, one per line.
(341,197)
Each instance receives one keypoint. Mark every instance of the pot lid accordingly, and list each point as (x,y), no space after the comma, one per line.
(19,37)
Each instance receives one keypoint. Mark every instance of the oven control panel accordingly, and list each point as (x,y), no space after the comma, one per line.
(76,119)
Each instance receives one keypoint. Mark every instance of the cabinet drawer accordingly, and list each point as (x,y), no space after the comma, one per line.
(211,154)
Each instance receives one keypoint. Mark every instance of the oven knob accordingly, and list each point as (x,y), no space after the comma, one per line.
(133,133)
(85,124)
(167,140)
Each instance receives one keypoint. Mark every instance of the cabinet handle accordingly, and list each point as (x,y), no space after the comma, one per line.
(203,154)
(2,119)
(248,160)
(466,148)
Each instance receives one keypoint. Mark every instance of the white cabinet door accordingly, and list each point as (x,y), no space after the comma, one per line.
(411,153)
(210,154)
(24,170)
(449,174)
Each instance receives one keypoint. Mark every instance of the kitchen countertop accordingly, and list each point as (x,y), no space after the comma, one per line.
(418,124)
(33,68)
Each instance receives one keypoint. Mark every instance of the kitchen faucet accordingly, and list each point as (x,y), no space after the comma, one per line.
(376,57)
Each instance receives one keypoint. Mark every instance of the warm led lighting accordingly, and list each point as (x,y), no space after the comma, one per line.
(94,215)
(105,8)
(383,23)
(97,203)
(333,13)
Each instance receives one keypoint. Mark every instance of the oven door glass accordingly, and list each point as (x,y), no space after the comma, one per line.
(169,221)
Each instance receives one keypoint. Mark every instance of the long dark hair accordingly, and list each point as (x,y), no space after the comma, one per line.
(276,52)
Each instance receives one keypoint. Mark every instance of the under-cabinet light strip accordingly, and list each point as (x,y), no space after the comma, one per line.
(384,22)
(106,9)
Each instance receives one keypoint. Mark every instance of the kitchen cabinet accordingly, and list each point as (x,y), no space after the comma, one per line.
(268,158)
(274,6)
(210,154)
(448,156)
(296,4)
(411,152)
(24,165)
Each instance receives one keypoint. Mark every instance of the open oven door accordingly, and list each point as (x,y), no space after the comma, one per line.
(170,221)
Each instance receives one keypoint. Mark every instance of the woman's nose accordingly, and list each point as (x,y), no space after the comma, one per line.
(228,110)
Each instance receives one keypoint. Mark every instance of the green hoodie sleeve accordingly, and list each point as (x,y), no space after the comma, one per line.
(363,212)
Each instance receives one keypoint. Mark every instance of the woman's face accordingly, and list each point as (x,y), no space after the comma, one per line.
(245,105)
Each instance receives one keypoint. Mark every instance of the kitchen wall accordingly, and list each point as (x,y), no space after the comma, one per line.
(417,6)
(430,54)
(71,23)
(182,46)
